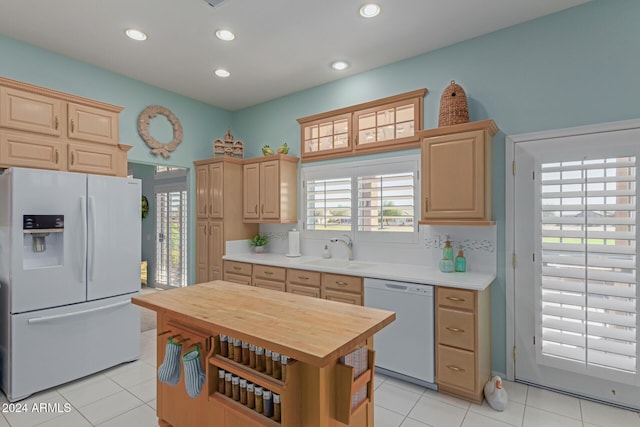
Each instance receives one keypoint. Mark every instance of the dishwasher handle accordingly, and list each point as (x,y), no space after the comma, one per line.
(396,287)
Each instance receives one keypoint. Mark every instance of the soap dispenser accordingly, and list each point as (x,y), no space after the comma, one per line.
(446,263)
(326,253)
(461,262)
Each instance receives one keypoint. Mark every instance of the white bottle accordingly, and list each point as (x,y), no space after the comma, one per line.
(326,253)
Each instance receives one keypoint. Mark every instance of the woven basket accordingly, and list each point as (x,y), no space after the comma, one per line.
(453,106)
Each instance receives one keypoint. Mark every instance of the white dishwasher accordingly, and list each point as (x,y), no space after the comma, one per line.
(405,348)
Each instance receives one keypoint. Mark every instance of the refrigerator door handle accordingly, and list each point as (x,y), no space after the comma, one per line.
(83,213)
(92,217)
(48,319)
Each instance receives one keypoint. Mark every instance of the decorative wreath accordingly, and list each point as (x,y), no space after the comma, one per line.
(145,207)
(143,129)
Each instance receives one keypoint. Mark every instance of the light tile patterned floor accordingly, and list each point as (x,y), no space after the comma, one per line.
(125,396)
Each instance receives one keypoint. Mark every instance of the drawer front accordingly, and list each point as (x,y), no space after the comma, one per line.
(303,277)
(268,284)
(237,278)
(342,283)
(235,267)
(307,291)
(346,297)
(458,298)
(268,272)
(456,328)
(456,367)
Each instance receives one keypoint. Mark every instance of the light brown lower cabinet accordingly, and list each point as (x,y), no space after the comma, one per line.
(463,341)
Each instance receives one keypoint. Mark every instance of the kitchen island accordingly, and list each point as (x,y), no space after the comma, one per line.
(313,333)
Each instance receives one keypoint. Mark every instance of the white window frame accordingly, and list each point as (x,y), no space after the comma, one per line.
(354,169)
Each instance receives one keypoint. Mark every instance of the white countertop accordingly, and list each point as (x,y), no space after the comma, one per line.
(388,271)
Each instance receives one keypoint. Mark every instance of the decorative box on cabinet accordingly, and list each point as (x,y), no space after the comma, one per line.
(463,341)
(457,174)
(219,213)
(46,129)
(270,189)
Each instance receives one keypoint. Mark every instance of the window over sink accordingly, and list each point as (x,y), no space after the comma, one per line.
(373,200)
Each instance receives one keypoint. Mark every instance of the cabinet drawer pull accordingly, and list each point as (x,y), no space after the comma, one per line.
(73,156)
(236,268)
(455,299)
(72,126)
(426,204)
(262,209)
(455,368)
(303,278)
(455,330)
(57,154)
(210,210)
(341,283)
(56,123)
(268,273)
(256,209)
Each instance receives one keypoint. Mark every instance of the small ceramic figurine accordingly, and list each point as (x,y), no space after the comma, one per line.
(496,395)
(267,151)
(283,149)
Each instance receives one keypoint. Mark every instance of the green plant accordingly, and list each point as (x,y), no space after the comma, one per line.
(259,240)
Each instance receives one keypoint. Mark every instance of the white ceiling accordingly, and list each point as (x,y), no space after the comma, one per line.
(281,46)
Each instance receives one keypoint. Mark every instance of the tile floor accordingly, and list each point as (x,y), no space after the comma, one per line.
(124,396)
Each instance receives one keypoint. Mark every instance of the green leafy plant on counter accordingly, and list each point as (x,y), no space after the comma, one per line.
(259,240)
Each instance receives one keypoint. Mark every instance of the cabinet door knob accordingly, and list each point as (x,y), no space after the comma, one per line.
(455,368)
(455,299)
(72,126)
(458,330)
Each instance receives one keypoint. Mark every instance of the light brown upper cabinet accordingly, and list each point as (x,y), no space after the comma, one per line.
(46,129)
(92,124)
(383,125)
(457,174)
(270,189)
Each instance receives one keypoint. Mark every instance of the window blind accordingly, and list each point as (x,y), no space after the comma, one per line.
(588,262)
(328,204)
(171,267)
(386,202)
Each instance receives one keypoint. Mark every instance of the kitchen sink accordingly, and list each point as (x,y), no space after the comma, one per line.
(338,263)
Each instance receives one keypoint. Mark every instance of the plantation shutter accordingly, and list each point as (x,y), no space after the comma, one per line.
(328,204)
(386,202)
(588,265)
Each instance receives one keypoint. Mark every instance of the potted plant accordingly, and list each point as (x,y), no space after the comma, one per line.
(258,242)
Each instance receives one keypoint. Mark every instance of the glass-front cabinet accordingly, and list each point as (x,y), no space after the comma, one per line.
(382,125)
(389,124)
(330,134)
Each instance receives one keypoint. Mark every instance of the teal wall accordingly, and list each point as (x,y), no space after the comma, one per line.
(576,67)
(201,123)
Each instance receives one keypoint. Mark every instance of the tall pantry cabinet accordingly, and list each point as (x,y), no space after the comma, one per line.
(219,214)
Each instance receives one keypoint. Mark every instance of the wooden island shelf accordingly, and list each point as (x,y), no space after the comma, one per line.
(313,333)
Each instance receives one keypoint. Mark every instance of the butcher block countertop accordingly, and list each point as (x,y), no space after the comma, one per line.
(311,330)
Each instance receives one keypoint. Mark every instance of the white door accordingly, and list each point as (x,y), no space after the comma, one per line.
(55,276)
(114,230)
(172,240)
(576,271)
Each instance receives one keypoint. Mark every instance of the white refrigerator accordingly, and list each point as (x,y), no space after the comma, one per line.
(69,265)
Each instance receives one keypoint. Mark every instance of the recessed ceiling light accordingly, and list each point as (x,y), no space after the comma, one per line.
(135,34)
(225,35)
(222,73)
(340,65)
(369,10)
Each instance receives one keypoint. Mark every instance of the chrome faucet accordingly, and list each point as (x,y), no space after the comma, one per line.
(347,242)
